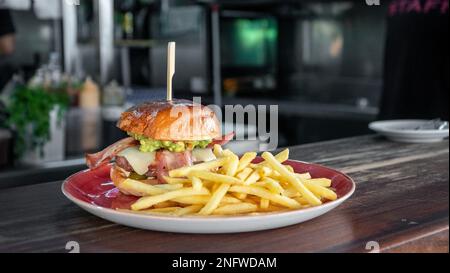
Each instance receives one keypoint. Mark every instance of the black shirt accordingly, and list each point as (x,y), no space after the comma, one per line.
(416,66)
(6,22)
(6,27)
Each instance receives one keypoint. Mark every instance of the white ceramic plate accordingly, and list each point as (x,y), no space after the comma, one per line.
(93,192)
(404,131)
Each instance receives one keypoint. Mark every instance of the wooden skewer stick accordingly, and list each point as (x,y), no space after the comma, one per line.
(170,68)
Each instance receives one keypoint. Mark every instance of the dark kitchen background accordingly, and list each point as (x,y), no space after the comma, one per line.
(77,64)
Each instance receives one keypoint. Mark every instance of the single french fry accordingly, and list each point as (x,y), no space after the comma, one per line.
(192,200)
(303,175)
(208,184)
(165,204)
(148,201)
(264,171)
(240,195)
(188,210)
(217,150)
(163,211)
(169,187)
(139,188)
(272,208)
(215,177)
(245,160)
(215,186)
(215,200)
(231,167)
(273,185)
(203,199)
(242,175)
(301,200)
(277,176)
(176,180)
(252,178)
(320,191)
(264,203)
(289,167)
(205,166)
(291,192)
(324,182)
(196,183)
(280,157)
(292,179)
(236,209)
(263,193)
(228,199)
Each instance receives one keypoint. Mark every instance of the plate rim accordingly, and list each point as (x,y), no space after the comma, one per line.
(212,218)
(374,125)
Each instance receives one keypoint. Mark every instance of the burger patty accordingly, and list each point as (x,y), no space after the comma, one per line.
(123,163)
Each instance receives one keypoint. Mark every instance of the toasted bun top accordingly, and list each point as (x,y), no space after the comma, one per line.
(175,120)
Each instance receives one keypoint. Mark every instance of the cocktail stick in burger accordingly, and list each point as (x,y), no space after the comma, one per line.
(164,135)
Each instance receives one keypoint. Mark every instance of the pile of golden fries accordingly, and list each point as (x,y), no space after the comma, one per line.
(231,185)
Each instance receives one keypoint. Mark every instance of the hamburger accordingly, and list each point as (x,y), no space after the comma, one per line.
(163,135)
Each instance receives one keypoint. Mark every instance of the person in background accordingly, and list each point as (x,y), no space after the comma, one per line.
(7,44)
(7,38)
(416,66)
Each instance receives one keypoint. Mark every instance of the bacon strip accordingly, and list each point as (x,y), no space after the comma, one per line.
(98,159)
(222,140)
(166,161)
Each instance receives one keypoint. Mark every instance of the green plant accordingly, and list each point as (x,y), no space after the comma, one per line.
(29,116)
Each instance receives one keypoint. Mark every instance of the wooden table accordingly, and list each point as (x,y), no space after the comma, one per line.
(401,203)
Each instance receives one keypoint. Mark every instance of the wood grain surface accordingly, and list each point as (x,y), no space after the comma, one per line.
(401,203)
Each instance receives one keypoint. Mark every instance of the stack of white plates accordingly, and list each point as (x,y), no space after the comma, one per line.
(410,131)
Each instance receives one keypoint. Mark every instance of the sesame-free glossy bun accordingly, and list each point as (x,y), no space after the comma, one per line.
(176,120)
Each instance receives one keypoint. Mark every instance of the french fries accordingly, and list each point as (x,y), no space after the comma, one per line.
(217,150)
(252,178)
(236,209)
(215,177)
(176,180)
(205,166)
(196,183)
(264,203)
(292,178)
(231,167)
(138,188)
(230,185)
(187,210)
(214,202)
(203,199)
(148,201)
(242,175)
(258,191)
(245,160)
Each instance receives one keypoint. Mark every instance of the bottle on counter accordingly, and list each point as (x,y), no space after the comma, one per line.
(89,95)
(90,115)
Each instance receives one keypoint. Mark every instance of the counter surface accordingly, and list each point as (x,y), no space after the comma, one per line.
(400,203)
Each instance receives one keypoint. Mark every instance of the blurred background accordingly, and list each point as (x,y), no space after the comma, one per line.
(69,68)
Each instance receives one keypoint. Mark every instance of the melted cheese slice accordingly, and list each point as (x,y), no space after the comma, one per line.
(138,160)
(202,155)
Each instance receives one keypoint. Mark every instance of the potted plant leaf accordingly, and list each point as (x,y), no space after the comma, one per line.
(36,116)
